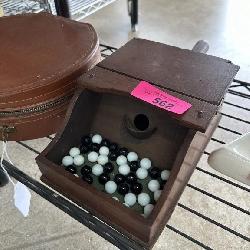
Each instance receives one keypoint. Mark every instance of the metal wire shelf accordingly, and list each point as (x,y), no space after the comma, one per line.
(78,9)
(112,235)
(21,6)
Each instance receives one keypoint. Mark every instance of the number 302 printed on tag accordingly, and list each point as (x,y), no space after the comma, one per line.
(159,98)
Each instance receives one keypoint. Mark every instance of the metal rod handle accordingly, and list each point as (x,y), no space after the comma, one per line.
(201,46)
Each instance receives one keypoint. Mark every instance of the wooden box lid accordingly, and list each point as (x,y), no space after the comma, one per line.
(103,80)
(199,79)
(193,74)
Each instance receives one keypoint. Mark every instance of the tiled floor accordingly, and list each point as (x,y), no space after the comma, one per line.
(224,24)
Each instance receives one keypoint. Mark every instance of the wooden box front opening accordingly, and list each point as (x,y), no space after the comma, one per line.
(123,119)
(118,117)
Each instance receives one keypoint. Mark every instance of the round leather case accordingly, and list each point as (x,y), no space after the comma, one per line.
(41,56)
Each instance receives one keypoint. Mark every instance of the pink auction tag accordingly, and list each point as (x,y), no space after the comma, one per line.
(157,97)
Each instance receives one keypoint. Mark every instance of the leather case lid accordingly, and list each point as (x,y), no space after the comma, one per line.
(193,74)
(40,53)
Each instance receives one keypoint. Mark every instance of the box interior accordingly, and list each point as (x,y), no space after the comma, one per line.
(114,116)
(109,114)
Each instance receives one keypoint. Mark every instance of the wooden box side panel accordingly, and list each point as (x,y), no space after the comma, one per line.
(165,207)
(99,204)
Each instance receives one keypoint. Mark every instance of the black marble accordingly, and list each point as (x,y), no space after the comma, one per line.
(134,165)
(84,149)
(113,156)
(103,178)
(86,170)
(119,178)
(123,188)
(86,140)
(71,169)
(136,188)
(123,151)
(94,147)
(162,184)
(108,167)
(105,142)
(113,147)
(88,178)
(154,172)
(131,178)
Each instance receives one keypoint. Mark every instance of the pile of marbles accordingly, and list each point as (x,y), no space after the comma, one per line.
(117,171)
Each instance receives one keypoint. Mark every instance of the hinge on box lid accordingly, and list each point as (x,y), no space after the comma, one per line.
(5,130)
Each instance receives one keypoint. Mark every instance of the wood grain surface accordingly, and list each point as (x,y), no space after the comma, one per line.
(197,75)
(103,80)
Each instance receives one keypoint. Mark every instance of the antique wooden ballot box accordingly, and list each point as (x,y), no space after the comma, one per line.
(103,105)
